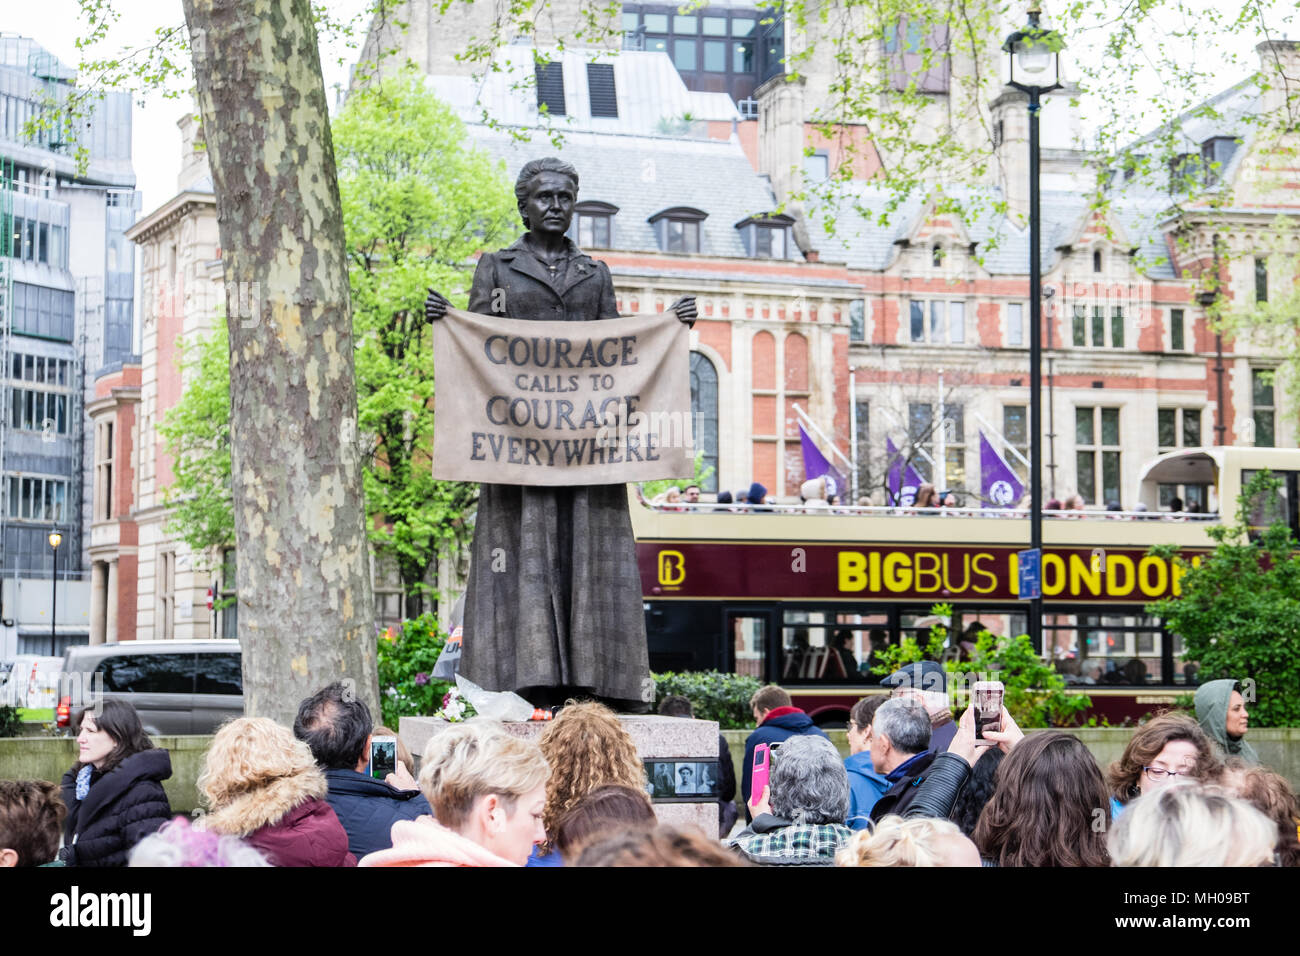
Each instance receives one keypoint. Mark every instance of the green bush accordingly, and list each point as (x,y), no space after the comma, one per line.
(1035,692)
(713,695)
(10,722)
(1239,610)
(406,658)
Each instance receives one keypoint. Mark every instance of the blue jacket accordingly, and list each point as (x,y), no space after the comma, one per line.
(368,808)
(865,788)
(781,724)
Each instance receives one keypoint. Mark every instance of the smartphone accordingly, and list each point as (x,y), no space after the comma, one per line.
(986,698)
(383,756)
(762,770)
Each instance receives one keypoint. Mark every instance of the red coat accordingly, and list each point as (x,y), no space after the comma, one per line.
(308,835)
(286,818)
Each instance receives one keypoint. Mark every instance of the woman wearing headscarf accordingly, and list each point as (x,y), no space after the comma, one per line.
(1221,712)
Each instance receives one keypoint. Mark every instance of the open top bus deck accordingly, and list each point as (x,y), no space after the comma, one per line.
(802,596)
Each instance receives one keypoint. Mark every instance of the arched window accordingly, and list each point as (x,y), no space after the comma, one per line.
(704,416)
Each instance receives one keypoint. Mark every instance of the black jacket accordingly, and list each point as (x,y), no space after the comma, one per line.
(904,790)
(368,808)
(942,785)
(512,282)
(123,807)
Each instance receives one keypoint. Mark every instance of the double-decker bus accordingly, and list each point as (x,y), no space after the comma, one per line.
(801,596)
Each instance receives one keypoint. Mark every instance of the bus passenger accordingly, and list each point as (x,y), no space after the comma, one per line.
(840,643)
(812,493)
(926,499)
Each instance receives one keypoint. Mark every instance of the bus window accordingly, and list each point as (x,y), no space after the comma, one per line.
(916,624)
(749,643)
(830,646)
(1194,498)
(1120,649)
(1283,505)
(968,622)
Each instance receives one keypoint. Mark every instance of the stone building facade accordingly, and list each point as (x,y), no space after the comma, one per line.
(916,330)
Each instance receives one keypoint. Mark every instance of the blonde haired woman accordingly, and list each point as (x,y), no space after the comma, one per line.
(918,841)
(261,784)
(487,790)
(1186,824)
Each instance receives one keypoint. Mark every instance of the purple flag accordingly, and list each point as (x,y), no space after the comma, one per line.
(902,485)
(815,465)
(999,486)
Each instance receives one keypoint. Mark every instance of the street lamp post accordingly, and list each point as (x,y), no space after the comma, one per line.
(1035,58)
(55,539)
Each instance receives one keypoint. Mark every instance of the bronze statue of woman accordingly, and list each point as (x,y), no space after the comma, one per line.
(553,607)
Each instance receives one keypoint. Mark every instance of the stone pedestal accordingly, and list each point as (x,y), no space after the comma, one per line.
(663,739)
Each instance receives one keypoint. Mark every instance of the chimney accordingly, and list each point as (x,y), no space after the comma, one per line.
(194,156)
(1279,67)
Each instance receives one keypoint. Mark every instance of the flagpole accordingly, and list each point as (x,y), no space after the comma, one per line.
(941,465)
(803,417)
(853,429)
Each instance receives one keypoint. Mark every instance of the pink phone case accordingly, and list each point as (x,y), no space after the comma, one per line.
(762,766)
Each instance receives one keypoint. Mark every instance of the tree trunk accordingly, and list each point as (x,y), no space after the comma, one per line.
(306,610)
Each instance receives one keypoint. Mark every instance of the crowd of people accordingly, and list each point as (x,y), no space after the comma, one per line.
(819,494)
(917,789)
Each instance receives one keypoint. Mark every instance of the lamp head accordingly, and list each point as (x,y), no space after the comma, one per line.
(56,539)
(1035,55)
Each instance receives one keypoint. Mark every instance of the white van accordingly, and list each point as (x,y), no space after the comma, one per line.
(33,682)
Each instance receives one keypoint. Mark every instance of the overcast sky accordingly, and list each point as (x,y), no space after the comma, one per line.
(55,24)
(156,140)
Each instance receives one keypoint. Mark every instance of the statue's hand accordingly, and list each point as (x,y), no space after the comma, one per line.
(435,306)
(685,309)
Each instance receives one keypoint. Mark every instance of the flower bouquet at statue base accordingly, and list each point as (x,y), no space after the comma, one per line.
(496,704)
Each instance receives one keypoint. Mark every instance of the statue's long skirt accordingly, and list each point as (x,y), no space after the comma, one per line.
(554,596)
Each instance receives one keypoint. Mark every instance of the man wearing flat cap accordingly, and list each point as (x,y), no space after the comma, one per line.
(927,682)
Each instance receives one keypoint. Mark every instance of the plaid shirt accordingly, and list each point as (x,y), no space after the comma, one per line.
(794,844)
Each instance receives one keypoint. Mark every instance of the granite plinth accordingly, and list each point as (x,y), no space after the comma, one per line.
(655,738)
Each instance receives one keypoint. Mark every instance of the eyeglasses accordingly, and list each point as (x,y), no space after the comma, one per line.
(1159,773)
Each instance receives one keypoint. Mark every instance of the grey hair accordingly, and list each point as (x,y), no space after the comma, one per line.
(549,164)
(1186,824)
(905,722)
(809,783)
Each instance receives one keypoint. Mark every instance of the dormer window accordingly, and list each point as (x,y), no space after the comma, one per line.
(593,225)
(550,87)
(766,237)
(601,89)
(678,229)
(936,256)
(1215,154)
(1096,260)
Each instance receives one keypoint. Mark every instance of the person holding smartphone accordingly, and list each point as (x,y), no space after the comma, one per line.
(1048,777)
(369,788)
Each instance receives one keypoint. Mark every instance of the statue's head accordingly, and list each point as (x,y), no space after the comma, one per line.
(547,190)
